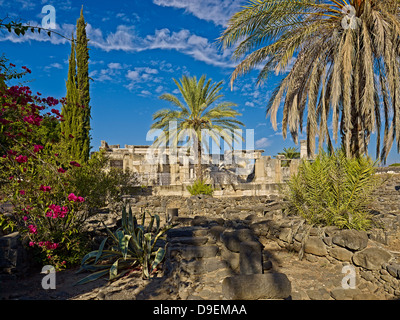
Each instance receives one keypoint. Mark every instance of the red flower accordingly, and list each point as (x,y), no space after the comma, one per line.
(21,159)
(26,69)
(72,197)
(74,163)
(61,170)
(32,229)
(22,192)
(45,188)
(37,148)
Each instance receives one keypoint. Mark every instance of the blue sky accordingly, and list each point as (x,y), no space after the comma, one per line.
(136,48)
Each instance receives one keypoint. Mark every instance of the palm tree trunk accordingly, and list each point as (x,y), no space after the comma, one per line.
(199,171)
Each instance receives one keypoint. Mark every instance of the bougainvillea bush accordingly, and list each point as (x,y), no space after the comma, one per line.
(35,174)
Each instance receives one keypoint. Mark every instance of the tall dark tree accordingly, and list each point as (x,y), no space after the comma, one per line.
(76,111)
(69,109)
(82,59)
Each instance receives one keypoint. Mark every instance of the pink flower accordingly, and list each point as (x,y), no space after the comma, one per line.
(32,229)
(53,246)
(22,192)
(21,159)
(61,170)
(72,197)
(74,163)
(81,199)
(37,148)
(45,188)
(31,244)
(64,212)
(25,218)
(26,69)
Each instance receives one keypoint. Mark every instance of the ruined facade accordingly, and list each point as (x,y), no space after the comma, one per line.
(176,167)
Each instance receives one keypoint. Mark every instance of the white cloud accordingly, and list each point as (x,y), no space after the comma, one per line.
(65,29)
(125,39)
(145,93)
(216,11)
(142,75)
(114,65)
(262,143)
(113,72)
(184,41)
(56,65)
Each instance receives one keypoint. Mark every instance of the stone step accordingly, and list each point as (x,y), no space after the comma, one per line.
(195,241)
(189,252)
(196,267)
(186,232)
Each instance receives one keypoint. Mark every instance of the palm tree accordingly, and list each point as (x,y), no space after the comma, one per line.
(289,153)
(198,112)
(343,58)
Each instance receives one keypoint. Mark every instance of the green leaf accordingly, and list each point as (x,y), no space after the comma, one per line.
(114,270)
(100,251)
(92,277)
(125,244)
(158,258)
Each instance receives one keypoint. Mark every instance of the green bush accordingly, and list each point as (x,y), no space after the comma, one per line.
(131,246)
(200,187)
(101,186)
(334,190)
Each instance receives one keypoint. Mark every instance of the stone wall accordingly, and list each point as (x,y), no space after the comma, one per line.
(13,256)
(373,261)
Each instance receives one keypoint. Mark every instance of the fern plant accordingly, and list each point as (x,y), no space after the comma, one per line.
(334,190)
(130,246)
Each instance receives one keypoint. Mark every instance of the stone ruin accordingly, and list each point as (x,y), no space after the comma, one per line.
(174,169)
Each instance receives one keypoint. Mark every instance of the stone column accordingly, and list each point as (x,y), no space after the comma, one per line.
(259,170)
(294,166)
(278,168)
(303,149)
(174,172)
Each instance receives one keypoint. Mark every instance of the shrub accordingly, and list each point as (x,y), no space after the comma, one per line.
(34,175)
(129,247)
(334,190)
(100,186)
(200,187)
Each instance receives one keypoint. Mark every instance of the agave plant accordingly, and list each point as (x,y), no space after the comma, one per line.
(132,245)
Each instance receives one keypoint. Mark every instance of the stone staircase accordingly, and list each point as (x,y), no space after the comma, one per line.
(194,260)
(211,261)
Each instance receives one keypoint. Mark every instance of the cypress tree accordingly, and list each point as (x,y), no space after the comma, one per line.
(68,111)
(76,111)
(82,58)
